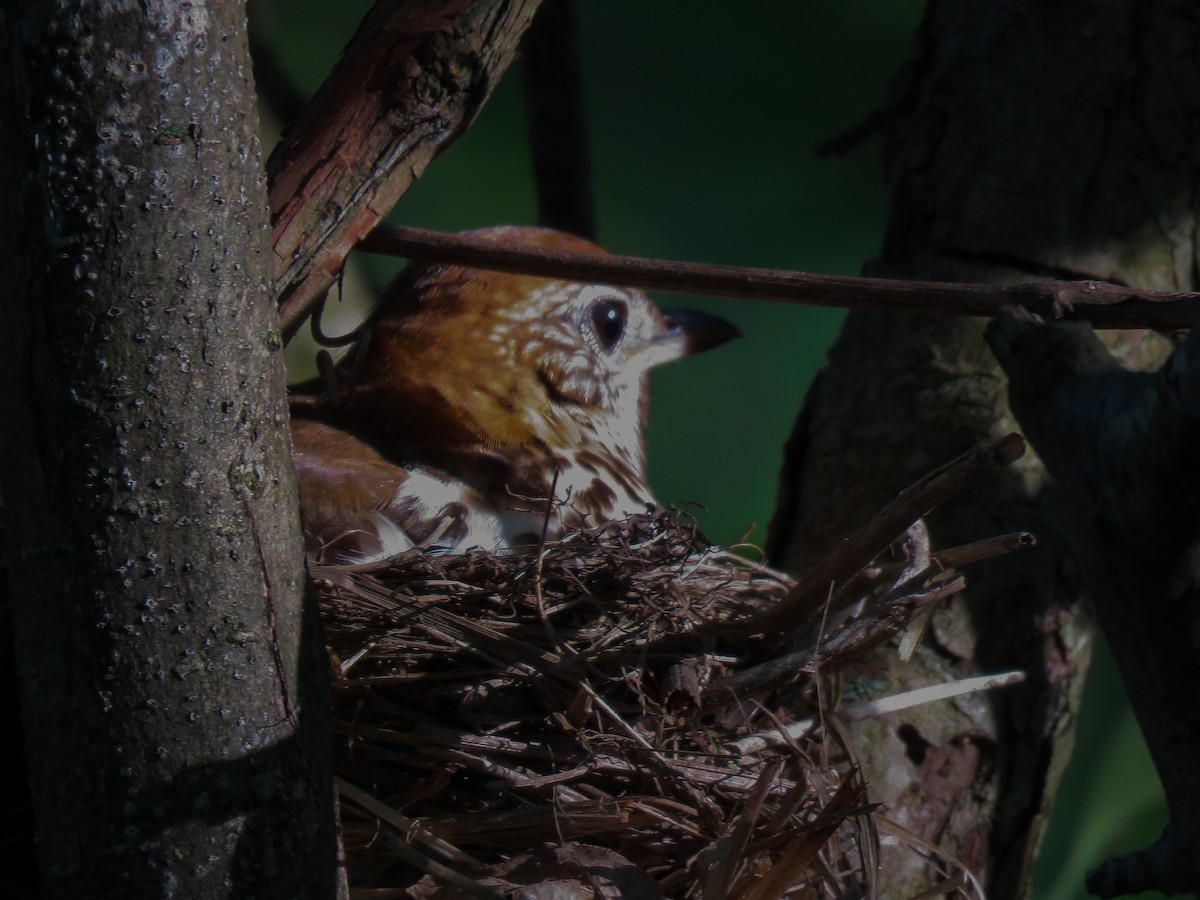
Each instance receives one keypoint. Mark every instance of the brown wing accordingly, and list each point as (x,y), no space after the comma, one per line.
(358,505)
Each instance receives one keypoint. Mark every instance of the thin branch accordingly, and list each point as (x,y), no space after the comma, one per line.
(882,706)
(870,126)
(955,557)
(411,828)
(1104,305)
(853,637)
(432,867)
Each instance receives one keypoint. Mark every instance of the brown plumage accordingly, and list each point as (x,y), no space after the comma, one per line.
(471,395)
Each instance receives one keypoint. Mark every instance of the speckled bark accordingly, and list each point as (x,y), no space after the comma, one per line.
(1026,140)
(172,696)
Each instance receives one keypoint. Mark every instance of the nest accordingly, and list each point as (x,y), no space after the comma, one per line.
(628,709)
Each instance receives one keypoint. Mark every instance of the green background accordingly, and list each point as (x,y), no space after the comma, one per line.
(702,127)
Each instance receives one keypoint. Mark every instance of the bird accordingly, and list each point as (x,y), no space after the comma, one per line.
(480,409)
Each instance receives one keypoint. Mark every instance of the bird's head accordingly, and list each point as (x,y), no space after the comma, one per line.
(458,356)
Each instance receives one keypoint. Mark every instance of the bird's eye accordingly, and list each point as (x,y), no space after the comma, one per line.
(608,318)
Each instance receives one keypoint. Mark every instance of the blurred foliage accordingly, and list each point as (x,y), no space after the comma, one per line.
(703,126)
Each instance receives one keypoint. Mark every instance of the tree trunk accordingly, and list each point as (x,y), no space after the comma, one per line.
(1025,140)
(173,692)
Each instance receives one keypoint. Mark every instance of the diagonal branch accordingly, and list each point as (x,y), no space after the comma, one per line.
(411,80)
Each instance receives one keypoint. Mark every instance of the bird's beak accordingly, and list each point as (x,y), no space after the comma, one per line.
(690,332)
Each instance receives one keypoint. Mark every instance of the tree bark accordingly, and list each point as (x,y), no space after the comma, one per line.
(1121,447)
(1024,140)
(173,692)
(412,79)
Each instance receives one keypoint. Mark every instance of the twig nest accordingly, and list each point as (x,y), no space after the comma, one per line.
(535,718)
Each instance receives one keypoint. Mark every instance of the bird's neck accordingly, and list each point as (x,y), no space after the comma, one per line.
(590,481)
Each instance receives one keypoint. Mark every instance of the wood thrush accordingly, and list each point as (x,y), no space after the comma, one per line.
(480,407)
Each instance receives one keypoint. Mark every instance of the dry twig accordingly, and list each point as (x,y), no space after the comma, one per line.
(1104,305)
